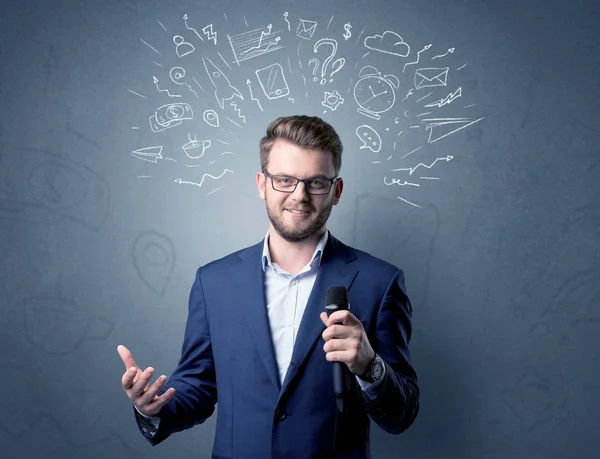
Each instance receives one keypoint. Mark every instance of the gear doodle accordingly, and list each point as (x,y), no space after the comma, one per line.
(332,100)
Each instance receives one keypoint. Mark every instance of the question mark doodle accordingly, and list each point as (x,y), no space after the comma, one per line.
(314,72)
(340,62)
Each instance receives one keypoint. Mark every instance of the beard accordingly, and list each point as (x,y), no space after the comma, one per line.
(302,230)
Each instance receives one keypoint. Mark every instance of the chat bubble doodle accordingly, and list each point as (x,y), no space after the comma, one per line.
(44,187)
(170,115)
(59,325)
(154,259)
(369,137)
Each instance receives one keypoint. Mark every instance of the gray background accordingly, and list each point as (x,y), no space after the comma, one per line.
(501,256)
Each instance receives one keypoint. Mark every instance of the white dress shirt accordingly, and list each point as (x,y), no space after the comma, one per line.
(286,298)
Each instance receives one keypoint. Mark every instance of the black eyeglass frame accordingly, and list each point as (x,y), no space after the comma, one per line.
(305,181)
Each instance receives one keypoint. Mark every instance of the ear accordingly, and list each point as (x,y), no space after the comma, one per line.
(260,184)
(339,186)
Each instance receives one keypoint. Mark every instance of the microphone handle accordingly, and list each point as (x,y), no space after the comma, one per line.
(339,376)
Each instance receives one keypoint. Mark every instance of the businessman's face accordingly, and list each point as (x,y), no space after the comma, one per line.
(298,215)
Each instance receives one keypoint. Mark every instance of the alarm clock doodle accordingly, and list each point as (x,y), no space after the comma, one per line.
(375,93)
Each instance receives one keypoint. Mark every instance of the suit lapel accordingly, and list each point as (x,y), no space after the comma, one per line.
(335,270)
(249,292)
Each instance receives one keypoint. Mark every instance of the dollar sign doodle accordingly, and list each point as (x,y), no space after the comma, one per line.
(347,33)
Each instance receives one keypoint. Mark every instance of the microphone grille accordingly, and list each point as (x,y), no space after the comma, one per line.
(337,295)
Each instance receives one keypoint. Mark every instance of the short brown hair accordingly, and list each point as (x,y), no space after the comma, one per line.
(306,132)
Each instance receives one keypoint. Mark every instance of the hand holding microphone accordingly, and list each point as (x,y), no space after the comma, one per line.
(346,341)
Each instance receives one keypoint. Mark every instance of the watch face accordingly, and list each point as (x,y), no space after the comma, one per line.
(374,94)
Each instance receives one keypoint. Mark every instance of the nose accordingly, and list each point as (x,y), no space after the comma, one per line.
(300,193)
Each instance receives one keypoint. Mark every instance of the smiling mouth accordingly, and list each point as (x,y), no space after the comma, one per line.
(298,211)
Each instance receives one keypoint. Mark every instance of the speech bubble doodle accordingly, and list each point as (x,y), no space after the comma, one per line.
(369,137)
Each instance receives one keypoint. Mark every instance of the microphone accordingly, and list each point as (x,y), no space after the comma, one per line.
(336,300)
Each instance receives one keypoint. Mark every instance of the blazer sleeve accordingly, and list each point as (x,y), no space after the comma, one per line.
(396,404)
(194,378)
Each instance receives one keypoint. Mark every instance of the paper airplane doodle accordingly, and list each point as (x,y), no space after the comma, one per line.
(442,127)
(224,90)
(150,154)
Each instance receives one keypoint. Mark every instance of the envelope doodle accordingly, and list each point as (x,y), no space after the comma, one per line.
(306,29)
(431,77)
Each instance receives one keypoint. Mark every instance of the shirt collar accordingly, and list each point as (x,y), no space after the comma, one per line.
(316,258)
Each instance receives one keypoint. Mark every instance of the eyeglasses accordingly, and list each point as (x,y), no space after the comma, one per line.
(287,184)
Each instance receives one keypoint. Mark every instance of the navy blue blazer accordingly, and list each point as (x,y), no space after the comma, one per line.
(228,357)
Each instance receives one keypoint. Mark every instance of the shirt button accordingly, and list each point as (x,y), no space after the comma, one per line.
(280,414)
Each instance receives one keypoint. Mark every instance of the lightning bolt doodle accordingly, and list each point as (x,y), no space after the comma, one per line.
(210,34)
(252,96)
(446,100)
(239,112)
(412,169)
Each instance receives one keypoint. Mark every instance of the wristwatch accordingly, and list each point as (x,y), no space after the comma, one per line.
(374,370)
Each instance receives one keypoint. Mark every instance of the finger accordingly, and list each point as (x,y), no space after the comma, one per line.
(159,402)
(339,356)
(141,383)
(150,394)
(128,378)
(126,356)
(341,317)
(323,317)
(336,331)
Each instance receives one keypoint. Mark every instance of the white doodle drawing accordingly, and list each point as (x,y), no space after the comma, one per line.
(408,94)
(185,18)
(462,67)
(185,182)
(285,16)
(195,145)
(306,29)
(273,82)
(208,31)
(375,93)
(137,94)
(151,47)
(224,61)
(347,34)
(444,127)
(238,111)
(224,90)
(229,119)
(170,115)
(329,23)
(163,90)
(446,100)
(399,182)
(315,61)
(411,152)
(160,65)
(182,47)
(337,64)
(389,43)
(423,114)
(254,43)
(162,25)
(248,83)
(211,118)
(411,170)
(450,51)
(369,137)
(431,77)
(425,48)
(150,154)
(332,100)
(177,75)
(424,97)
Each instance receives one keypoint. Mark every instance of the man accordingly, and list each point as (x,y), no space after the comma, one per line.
(256,319)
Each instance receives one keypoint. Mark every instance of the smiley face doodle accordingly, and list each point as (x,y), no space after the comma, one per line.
(369,137)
